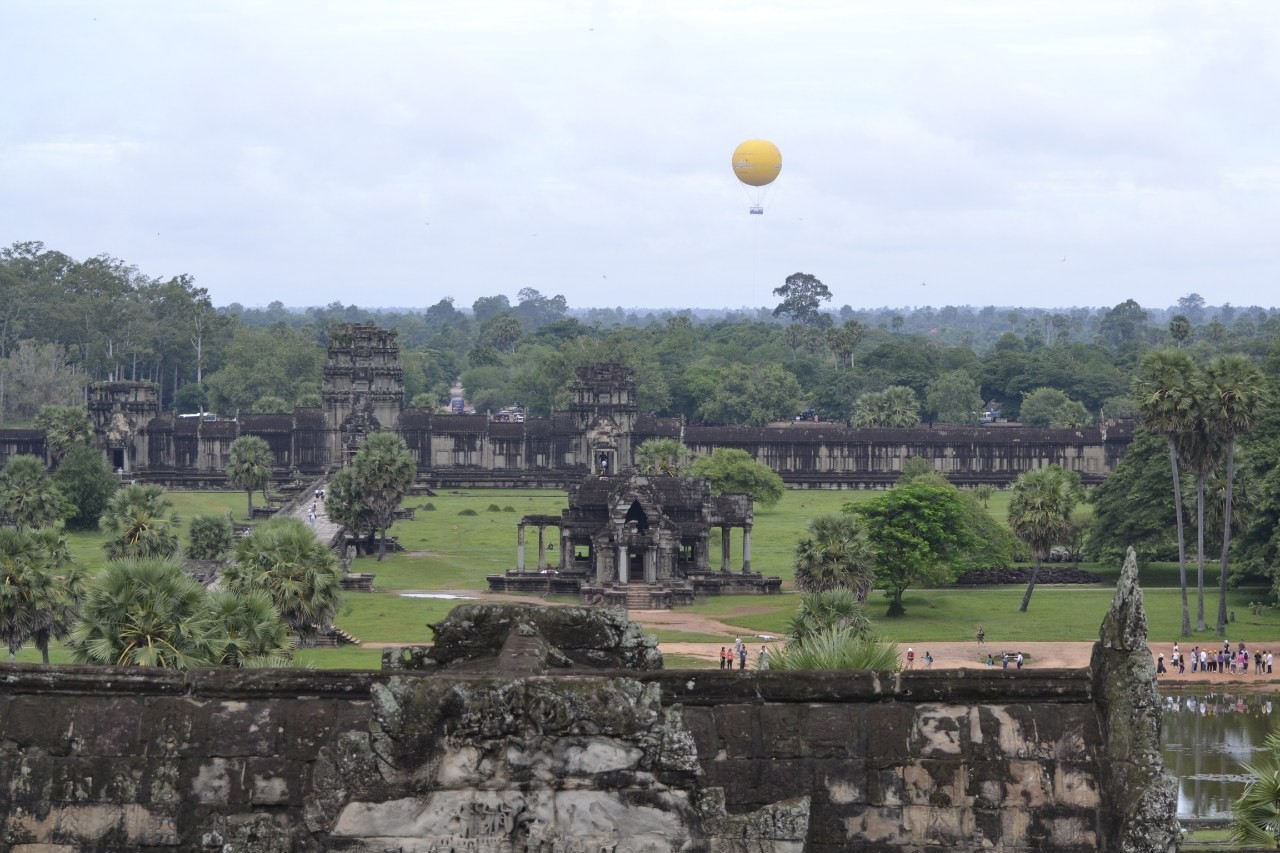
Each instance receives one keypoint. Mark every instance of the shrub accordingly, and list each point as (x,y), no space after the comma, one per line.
(468,512)
(493,508)
(428,507)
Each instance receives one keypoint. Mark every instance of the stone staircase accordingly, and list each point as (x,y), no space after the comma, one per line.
(641,597)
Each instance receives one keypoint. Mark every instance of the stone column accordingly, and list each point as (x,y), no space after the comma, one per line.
(724,549)
(542,548)
(520,548)
(701,552)
(746,549)
(598,557)
(651,564)
(566,558)
(622,564)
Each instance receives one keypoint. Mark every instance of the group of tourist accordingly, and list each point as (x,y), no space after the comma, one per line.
(1005,659)
(911,659)
(1221,661)
(739,653)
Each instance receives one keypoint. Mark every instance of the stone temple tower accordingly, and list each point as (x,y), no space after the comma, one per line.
(603,407)
(363,386)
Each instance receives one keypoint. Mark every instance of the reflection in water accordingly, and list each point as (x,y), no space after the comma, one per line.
(1206,740)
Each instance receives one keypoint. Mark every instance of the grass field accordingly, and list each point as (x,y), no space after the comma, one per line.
(457,538)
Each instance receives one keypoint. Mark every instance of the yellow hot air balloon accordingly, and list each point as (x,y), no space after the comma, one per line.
(757,163)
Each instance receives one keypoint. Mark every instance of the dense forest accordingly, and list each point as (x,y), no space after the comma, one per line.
(64,322)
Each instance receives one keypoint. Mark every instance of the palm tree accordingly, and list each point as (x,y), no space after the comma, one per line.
(146,612)
(210,537)
(383,470)
(1201,450)
(140,524)
(301,575)
(62,610)
(836,647)
(1236,394)
(896,407)
(1040,513)
(836,607)
(663,456)
(343,504)
(28,494)
(256,636)
(1162,391)
(249,467)
(26,587)
(1255,816)
(64,428)
(836,553)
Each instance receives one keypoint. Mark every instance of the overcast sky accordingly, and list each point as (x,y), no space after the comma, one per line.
(383,153)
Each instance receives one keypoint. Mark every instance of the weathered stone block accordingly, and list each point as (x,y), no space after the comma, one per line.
(829,732)
(701,724)
(1028,785)
(42,721)
(110,728)
(173,726)
(783,729)
(238,728)
(736,729)
(888,732)
(309,723)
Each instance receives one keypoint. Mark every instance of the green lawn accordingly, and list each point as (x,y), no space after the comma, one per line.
(468,535)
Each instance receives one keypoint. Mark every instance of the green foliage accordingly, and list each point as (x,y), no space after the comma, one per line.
(493,508)
(284,558)
(140,524)
(663,456)
(249,466)
(88,483)
(1134,506)
(835,607)
(40,589)
(423,400)
(837,648)
(1049,407)
(733,471)
(146,612)
(755,396)
(250,631)
(468,511)
(263,362)
(210,537)
(191,399)
(28,495)
(896,407)
(835,554)
(802,295)
(382,472)
(344,505)
(917,530)
(430,507)
(1255,815)
(270,405)
(1040,512)
(954,397)
(64,427)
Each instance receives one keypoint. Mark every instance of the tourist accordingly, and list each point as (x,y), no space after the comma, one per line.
(742,657)
(1268,663)
(990,660)
(911,657)
(311,517)
(982,635)
(762,661)
(928,660)
(1004,660)
(1203,659)
(1182,665)
(1019,660)
(724,656)
(1160,670)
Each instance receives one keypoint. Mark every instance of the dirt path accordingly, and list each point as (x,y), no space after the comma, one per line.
(961,655)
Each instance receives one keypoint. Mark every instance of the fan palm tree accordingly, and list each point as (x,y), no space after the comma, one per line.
(249,467)
(28,494)
(663,456)
(140,524)
(210,537)
(26,587)
(1162,391)
(301,575)
(835,553)
(1040,513)
(1236,394)
(383,470)
(896,407)
(1255,816)
(146,612)
(1201,449)
(256,636)
(837,607)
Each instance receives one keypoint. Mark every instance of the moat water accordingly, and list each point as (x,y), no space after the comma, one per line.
(1207,740)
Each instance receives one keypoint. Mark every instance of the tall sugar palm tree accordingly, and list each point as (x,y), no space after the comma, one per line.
(1162,391)
(140,524)
(301,575)
(146,612)
(1235,397)
(256,636)
(1201,449)
(26,587)
(62,610)
(249,466)
(383,470)
(835,553)
(1040,513)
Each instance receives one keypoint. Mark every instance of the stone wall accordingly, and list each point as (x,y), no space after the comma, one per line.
(109,759)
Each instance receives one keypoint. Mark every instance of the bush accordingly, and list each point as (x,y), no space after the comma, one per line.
(493,508)
(468,512)
(836,648)
(210,537)
(428,507)
(508,509)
